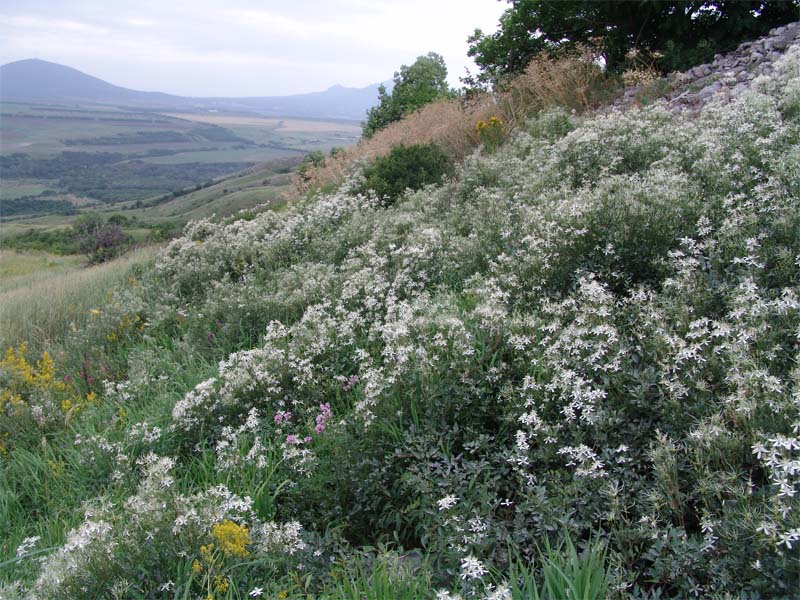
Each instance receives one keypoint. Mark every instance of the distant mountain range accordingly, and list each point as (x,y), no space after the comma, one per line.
(41,81)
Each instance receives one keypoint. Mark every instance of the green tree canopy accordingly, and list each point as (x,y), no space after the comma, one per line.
(679,33)
(414,86)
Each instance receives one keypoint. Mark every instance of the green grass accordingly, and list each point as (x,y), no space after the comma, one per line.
(19,269)
(18,189)
(42,305)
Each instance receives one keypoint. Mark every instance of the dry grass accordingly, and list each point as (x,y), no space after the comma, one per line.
(573,82)
(45,307)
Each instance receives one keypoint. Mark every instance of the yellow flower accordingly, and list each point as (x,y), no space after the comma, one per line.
(94,312)
(206,552)
(232,538)
(197,568)
(221,584)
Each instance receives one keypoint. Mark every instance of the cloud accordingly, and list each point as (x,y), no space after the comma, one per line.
(254,47)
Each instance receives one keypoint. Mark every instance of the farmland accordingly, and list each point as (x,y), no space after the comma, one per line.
(59,157)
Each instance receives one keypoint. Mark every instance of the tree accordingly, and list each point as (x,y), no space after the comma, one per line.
(414,86)
(677,34)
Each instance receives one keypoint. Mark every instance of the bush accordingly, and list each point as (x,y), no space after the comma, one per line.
(406,167)
(100,240)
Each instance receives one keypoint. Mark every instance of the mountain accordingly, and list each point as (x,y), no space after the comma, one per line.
(35,79)
(41,81)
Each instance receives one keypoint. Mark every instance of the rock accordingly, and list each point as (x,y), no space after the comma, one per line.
(780,43)
(708,91)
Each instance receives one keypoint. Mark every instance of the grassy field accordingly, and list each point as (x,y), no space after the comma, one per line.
(42,296)
(21,269)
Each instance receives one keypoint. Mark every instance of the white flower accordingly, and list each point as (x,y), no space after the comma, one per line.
(501,593)
(447,502)
(26,545)
(256,592)
(472,568)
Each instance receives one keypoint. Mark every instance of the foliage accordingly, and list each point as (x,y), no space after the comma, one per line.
(589,335)
(310,161)
(29,205)
(414,86)
(565,574)
(572,81)
(112,176)
(678,33)
(99,239)
(59,241)
(405,168)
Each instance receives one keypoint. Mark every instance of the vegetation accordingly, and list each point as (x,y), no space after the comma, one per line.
(111,177)
(414,86)
(571,81)
(98,239)
(31,205)
(44,305)
(675,35)
(405,168)
(572,365)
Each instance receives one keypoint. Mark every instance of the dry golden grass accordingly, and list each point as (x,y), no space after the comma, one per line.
(572,81)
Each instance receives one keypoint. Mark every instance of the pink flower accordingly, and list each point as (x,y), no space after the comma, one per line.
(350,382)
(282,416)
(292,440)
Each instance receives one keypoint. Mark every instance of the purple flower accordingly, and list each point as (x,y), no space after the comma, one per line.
(350,382)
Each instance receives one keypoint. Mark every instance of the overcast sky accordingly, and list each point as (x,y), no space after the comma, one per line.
(242,47)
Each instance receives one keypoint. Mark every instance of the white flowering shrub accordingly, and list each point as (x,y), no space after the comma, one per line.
(590,334)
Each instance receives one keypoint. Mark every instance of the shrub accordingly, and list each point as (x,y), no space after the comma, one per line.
(100,240)
(404,168)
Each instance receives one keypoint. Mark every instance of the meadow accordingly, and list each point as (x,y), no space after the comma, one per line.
(43,297)
(570,369)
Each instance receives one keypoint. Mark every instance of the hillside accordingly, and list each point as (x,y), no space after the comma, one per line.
(42,81)
(574,360)
(35,79)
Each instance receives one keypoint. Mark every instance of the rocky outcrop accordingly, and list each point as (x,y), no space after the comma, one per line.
(728,73)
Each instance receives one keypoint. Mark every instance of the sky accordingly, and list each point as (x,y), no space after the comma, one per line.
(243,47)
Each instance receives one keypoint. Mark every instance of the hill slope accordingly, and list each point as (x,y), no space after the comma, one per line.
(592,334)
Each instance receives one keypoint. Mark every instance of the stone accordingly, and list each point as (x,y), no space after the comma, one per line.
(708,91)
(780,43)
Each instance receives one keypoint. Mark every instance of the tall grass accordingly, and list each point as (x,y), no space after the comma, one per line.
(45,307)
(574,81)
